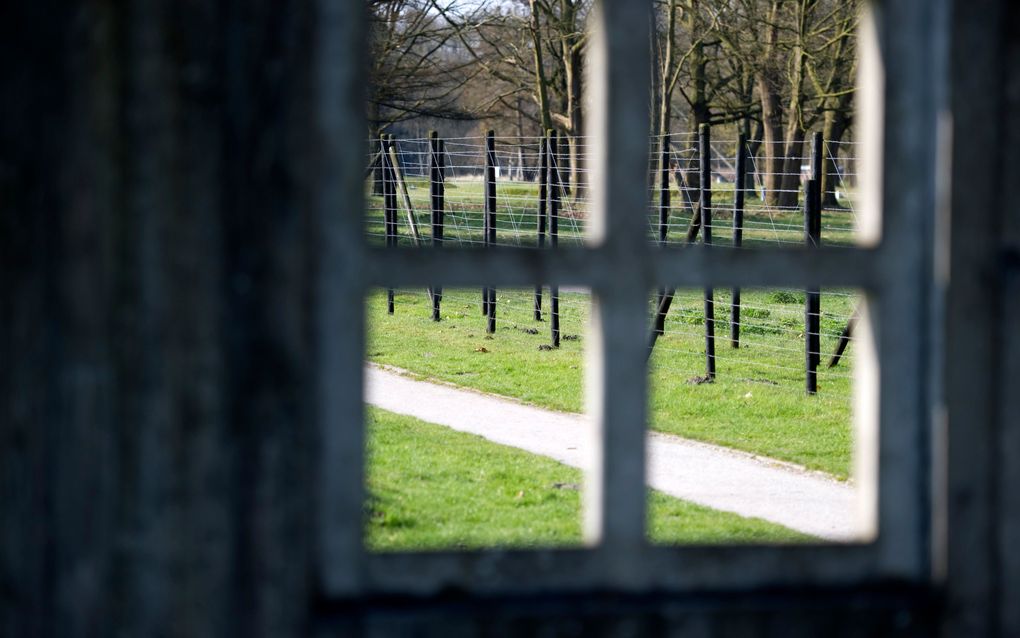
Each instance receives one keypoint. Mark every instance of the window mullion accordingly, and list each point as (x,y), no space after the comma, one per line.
(615,493)
(337,398)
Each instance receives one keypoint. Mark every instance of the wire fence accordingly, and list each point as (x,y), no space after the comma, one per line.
(762,338)
(767,220)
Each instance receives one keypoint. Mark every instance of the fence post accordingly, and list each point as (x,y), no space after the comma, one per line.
(436,193)
(817,158)
(543,182)
(705,152)
(485,220)
(490,218)
(813,238)
(389,205)
(660,317)
(554,231)
(738,231)
(379,170)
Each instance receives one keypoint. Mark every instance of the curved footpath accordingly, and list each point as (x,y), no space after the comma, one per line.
(718,477)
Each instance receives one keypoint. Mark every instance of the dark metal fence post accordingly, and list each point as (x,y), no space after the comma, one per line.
(817,158)
(660,317)
(813,238)
(485,222)
(389,205)
(554,230)
(738,231)
(490,217)
(705,152)
(543,183)
(436,192)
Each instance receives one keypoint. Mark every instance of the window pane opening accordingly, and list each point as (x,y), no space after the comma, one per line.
(729,180)
(476,432)
(751,107)
(751,413)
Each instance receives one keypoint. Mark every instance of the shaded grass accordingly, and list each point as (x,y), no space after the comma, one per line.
(431,488)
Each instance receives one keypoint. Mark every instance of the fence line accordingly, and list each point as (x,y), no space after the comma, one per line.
(531,192)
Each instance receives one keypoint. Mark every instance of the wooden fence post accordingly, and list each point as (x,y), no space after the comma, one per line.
(739,185)
(379,170)
(389,206)
(554,231)
(405,196)
(660,317)
(705,152)
(543,205)
(490,219)
(436,192)
(813,238)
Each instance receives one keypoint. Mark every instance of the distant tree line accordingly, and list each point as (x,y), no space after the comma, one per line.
(774,69)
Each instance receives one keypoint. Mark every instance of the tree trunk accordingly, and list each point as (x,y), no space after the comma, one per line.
(376,130)
(574,59)
(772,128)
(699,85)
(541,87)
(665,101)
(794,154)
(753,146)
(767,83)
(655,98)
(834,127)
(520,142)
(795,128)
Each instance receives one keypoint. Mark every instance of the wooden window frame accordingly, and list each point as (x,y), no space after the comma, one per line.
(620,265)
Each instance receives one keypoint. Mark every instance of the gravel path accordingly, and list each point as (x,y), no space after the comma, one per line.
(710,475)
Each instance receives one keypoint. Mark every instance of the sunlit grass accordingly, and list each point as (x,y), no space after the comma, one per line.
(757,402)
(431,487)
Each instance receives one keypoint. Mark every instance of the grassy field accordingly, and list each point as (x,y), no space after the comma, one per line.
(434,488)
(757,403)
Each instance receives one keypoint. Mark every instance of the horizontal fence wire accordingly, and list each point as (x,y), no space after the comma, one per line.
(771,322)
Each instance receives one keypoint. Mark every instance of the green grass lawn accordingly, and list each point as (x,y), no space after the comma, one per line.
(757,403)
(431,487)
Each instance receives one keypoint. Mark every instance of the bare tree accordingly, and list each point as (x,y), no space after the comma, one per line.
(800,54)
(783,67)
(535,49)
(416,68)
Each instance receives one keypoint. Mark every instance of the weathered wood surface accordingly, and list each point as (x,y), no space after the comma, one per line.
(158,343)
(978,285)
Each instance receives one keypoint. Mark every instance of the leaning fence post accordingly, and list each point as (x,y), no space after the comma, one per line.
(389,205)
(738,231)
(490,220)
(543,182)
(436,188)
(554,232)
(379,170)
(705,152)
(813,238)
(660,317)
